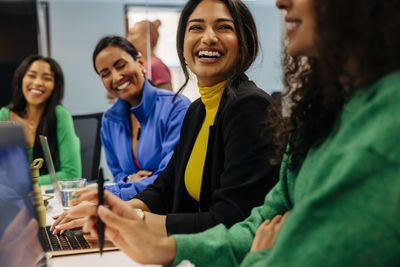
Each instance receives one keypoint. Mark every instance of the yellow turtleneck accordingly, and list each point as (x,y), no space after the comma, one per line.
(211,97)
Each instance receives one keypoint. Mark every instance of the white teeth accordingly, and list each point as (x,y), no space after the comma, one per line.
(291,25)
(209,53)
(35,91)
(123,86)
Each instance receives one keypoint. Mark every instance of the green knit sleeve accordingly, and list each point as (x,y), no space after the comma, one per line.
(346,197)
(68,148)
(219,246)
(350,220)
(255,258)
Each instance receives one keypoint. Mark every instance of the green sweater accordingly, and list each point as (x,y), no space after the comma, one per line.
(69,161)
(344,200)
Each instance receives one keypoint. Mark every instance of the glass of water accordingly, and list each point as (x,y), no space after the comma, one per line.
(66,189)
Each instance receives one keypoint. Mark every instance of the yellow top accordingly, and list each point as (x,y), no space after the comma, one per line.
(211,97)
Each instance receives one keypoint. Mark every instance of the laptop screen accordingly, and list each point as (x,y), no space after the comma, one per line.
(50,166)
(18,224)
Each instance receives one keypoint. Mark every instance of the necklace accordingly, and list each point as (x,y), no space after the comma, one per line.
(31,125)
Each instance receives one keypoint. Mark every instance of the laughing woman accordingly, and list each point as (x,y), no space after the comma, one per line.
(220,169)
(38,91)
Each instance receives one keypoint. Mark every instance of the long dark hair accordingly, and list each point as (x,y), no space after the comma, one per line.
(246,34)
(48,122)
(366,35)
(114,40)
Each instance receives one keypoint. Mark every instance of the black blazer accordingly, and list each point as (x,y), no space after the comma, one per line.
(237,174)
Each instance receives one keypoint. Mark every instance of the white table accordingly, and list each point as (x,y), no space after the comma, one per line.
(111,258)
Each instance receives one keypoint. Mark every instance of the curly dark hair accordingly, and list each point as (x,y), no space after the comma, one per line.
(365,35)
(48,122)
(246,33)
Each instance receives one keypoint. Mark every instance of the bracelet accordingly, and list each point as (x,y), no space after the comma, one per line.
(128,178)
(140,213)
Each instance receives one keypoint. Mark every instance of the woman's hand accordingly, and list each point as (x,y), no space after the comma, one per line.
(65,221)
(86,205)
(267,232)
(139,175)
(131,233)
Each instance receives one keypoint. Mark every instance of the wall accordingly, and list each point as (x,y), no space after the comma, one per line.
(18,35)
(76,26)
(266,70)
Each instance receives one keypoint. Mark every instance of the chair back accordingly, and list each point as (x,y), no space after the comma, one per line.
(87,127)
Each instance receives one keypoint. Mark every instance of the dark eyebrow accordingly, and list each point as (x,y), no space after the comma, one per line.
(218,20)
(115,64)
(225,20)
(196,20)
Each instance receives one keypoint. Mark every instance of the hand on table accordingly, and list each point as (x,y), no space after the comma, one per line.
(267,232)
(65,221)
(139,175)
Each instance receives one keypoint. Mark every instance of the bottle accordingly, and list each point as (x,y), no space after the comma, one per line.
(39,203)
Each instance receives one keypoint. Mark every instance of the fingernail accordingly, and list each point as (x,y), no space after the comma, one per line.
(57,227)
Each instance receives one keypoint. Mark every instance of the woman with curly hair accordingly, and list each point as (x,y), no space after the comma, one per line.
(340,174)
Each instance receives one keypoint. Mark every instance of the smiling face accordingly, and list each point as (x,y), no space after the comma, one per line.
(38,83)
(121,75)
(300,21)
(210,44)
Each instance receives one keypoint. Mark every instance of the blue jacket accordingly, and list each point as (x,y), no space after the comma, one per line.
(160,121)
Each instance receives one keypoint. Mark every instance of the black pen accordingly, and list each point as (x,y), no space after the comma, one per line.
(100,224)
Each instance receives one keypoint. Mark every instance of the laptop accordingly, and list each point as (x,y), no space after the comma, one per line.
(73,241)
(16,198)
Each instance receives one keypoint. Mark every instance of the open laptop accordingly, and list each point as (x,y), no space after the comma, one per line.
(73,241)
(16,196)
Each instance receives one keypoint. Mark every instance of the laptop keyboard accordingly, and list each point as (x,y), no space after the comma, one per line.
(67,241)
